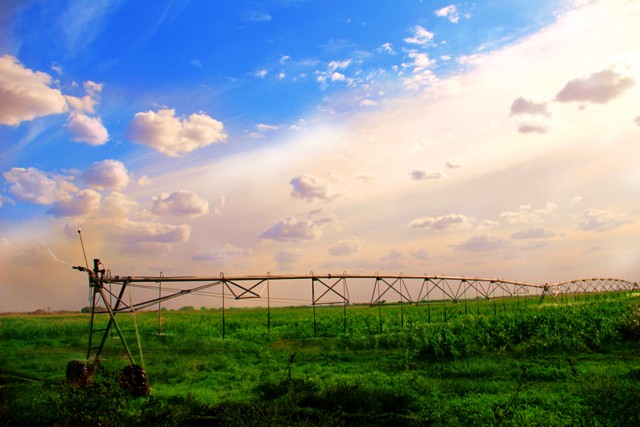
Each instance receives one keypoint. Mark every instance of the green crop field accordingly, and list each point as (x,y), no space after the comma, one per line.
(509,361)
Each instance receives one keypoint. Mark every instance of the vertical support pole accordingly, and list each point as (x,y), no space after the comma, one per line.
(224,284)
(379,306)
(444,305)
(268,307)
(428,303)
(91,318)
(504,303)
(464,295)
(313,303)
(495,309)
(160,305)
(344,300)
(401,282)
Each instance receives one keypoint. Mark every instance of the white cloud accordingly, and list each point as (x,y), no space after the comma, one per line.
(368,103)
(421,175)
(488,224)
(82,203)
(602,220)
(450,12)
(532,128)
(637,120)
(450,222)
(87,129)
(256,16)
(219,254)
(527,106)
(364,177)
(288,256)
(339,65)
(599,87)
(87,103)
(337,77)
(386,48)
(421,254)
(26,94)
(452,165)
(107,174)
(479,244)
(261,127)
(306,227)
(422,75)
(150,232)
(526,214)
(34,186)
(116,204)
(170,135)
(421,36)
(346,247)
(309,187)
(180,203)
(533,233)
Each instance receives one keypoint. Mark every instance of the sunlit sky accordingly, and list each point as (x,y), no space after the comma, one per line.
(494,138)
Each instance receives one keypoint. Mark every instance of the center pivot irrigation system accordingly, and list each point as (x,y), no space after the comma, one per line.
(329,289)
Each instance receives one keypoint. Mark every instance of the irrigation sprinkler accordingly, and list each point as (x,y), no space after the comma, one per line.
(329,289)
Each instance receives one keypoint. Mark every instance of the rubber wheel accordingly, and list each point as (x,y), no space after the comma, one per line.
(134,379)
(77,374)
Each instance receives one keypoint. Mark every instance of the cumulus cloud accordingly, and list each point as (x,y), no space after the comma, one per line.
(450,222)
(599,87)
(227,251)
(332,74)
(532,128)
(309,187)
(526,214)
(601,220)
(87,103)
(35,186)
(288,256)
(26,94)
(450,12)
(421,175)
(533,233)
(479,244)
(305,227)
(421,254)
(420,63)
(527,106)
(364,177)
(261,129)
(346,247)
(420,36)
(180,203)
(173,136)
(87,129)
(386,48)
(150,232)
(116,205)
(107,174)
(82,203)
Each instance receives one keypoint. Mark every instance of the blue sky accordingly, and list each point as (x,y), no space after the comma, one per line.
(492,138)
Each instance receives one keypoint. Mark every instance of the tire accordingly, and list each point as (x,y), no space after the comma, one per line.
(134,379)
(77,374)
